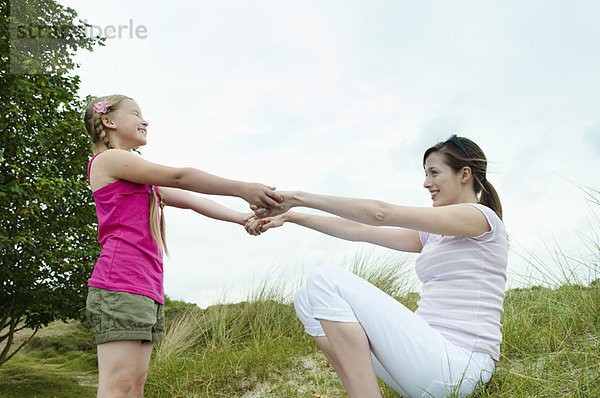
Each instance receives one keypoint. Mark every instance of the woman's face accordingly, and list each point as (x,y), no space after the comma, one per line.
(442,182)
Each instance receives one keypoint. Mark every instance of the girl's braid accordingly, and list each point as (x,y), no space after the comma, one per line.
(99,130)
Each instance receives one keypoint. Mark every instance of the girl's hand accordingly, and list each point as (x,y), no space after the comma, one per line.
(255,226)
(245,217)
(272,222)
(260,195)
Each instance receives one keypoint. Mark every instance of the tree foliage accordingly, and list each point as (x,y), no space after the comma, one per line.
(48,238)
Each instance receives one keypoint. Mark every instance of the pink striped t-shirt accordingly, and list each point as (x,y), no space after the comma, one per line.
(131,260)
(463,285)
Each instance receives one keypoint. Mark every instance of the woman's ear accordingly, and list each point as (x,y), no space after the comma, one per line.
(108,122)
(466,174)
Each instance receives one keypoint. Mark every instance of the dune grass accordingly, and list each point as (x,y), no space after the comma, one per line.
(258,348)
(550,346)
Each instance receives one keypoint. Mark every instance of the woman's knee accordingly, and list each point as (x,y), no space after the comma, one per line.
(304,313)
(318,279)
(301,304)
(325,280)
(323,275)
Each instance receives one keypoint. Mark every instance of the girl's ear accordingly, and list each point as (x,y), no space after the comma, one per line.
(108,122)
(466,174)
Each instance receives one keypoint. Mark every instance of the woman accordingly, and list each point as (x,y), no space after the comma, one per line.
(452,342)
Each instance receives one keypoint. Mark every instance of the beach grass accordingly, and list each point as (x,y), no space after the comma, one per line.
(258,348)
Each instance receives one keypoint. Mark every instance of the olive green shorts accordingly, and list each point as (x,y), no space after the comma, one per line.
(124,316)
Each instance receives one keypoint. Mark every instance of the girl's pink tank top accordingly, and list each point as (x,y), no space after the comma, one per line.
(131,260)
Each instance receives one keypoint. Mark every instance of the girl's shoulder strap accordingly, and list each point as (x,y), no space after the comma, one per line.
(90,165)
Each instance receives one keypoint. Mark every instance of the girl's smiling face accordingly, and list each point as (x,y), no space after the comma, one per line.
(129,126)
(444,184)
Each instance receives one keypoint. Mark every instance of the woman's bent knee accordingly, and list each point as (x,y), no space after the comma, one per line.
(300,298)
(301,305)
(320,277)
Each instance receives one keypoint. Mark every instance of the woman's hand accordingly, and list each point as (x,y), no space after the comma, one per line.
(261,196)
(285,205)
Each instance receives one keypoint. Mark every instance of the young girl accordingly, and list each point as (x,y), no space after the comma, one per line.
(451,343)
(126,297)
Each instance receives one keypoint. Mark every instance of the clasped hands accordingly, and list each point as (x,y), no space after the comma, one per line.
(265,218)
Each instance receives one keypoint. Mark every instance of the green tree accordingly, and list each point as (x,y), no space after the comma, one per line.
(48,239)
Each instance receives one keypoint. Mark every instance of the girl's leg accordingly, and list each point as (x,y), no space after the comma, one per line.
(121,322)
(118,363)
(142,370)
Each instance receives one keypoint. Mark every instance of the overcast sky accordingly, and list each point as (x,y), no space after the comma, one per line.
(343,98)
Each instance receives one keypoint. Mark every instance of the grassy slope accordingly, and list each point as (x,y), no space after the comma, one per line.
(258,349)
(550,346)
(59,362)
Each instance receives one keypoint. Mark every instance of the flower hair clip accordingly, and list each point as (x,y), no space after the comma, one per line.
(102,106)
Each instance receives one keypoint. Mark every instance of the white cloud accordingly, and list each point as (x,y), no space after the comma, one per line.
(344,100)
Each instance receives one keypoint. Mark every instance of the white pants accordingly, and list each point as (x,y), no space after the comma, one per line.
(409,355)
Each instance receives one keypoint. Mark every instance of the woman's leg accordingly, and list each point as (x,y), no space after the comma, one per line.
(414,356)
(351,355)
(351,347)
(325,346)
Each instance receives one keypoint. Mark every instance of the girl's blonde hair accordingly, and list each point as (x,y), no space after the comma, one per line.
(94,126)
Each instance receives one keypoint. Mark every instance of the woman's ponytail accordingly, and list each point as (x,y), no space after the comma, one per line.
(489,197)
